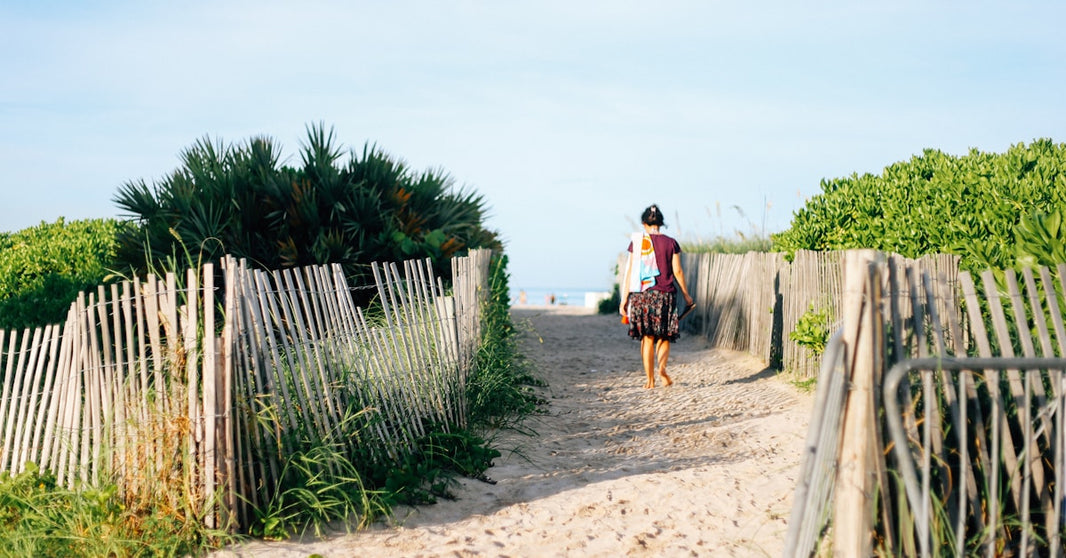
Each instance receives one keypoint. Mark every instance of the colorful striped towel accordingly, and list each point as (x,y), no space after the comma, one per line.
(643,268)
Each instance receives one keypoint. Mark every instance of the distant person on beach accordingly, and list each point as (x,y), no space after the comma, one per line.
(522,298)
(649,293)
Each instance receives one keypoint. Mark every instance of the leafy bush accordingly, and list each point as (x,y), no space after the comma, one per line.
(812,330)
(993,210)
(43,268)
(1040,239)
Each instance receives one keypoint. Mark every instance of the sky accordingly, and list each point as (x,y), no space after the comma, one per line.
(568,117)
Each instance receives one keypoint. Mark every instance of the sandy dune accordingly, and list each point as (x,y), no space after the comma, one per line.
(705,467)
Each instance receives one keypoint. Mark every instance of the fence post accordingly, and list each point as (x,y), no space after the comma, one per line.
(855,483)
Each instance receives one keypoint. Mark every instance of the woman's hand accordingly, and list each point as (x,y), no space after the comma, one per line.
(622,305)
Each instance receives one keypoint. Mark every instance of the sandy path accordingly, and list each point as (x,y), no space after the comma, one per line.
(705,467)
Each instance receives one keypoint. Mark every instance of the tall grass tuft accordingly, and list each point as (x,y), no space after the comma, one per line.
(323,478)
(500,389)
(429,472)
(320,485)
(739,244)
(41,518)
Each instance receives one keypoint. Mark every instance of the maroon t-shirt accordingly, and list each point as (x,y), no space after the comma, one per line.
(665,248)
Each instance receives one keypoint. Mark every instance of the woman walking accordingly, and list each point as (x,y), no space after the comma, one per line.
(649,293)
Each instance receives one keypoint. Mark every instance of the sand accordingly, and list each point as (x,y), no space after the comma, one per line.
(705,467)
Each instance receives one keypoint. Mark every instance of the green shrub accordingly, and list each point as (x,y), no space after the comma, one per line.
(43,268)
(976,206)
(610,305)
(320,483)
(812,330)
(1040,239)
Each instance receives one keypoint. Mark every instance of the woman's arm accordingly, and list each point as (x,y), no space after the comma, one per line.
(679,277)
(623,289)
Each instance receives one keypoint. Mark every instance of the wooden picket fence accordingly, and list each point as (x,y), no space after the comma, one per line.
(938,428)
(751,302)
(197,387)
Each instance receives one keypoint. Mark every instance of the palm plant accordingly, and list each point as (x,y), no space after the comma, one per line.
(238,200)
(417,216)
(221,200)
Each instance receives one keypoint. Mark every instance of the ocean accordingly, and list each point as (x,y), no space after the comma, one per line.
(543,296)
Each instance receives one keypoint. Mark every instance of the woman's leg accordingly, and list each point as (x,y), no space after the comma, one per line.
(662,349)
(647,357)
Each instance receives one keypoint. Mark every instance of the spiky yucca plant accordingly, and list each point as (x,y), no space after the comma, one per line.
(237,199)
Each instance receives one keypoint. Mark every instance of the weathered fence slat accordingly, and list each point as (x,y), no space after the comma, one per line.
(67,429)
(5,394)
(86,397)
(42,410)
(42,383)
(967,394)
(332,337)
(959,497)
(188,320)
(1018,473)
(1033,473)
(253,361)
(996,417)
(398,352)
(422,383)
(9,406)
(24,385)
(448,378)
(431,367)
(1036,303)
(207,421)
(274,371)
(379,379)
(117,385)
(103,362)
(55,403)
(293,356)
(300,310)
(352,344)
(855,481)
(422,343)
(228,436)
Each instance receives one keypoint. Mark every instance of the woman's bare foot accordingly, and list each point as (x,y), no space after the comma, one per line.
(666,379)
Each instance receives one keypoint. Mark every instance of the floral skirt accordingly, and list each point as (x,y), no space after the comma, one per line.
(653,313)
